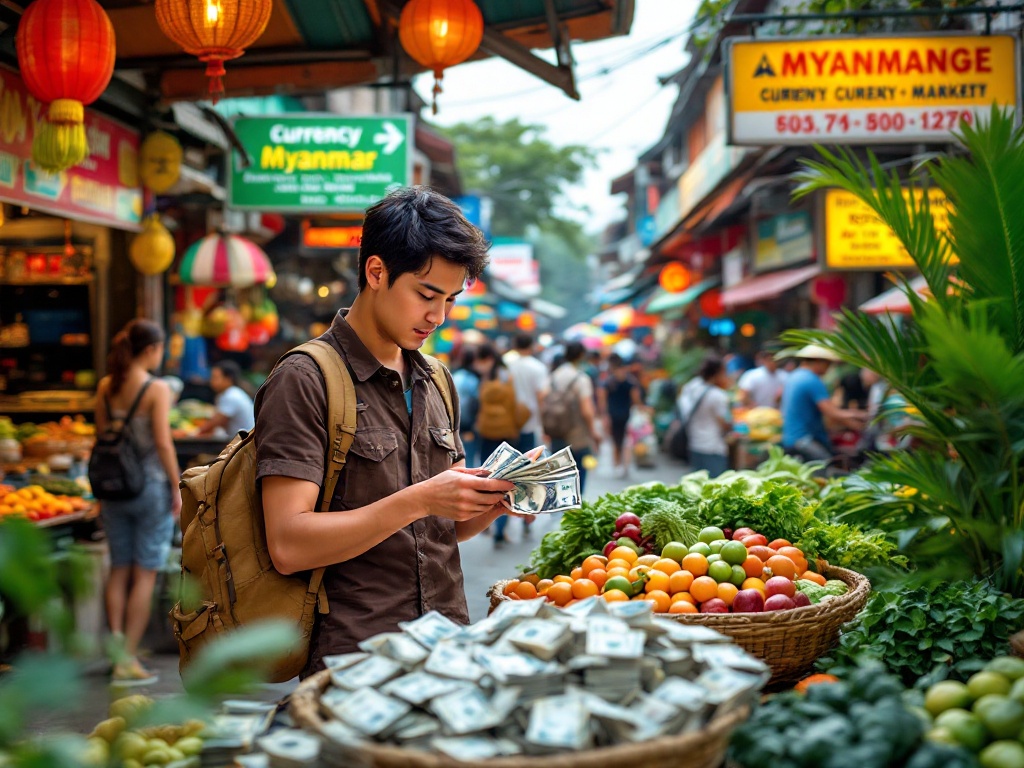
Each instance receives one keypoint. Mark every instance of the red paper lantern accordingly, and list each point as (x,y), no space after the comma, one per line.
(674,278)
(215,31)
(711,304)
(66,56)
(440,33)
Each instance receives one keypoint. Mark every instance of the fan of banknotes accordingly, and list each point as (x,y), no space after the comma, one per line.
(547,483)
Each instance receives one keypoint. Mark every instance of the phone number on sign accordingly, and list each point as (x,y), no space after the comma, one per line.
(873,122)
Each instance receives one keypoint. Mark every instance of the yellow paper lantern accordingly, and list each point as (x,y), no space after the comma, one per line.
(160,162)
(152,250)
(674,277)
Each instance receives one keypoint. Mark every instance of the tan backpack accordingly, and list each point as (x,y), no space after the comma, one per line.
(224,547)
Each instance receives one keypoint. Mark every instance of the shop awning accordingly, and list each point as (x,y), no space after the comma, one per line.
(664,301)
(894,301)
(768,286)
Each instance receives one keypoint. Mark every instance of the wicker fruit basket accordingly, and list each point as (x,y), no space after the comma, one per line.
(700,749)
(788,641)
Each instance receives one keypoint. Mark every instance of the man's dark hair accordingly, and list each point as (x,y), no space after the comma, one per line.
(615,360)
(231,370)
(710,367)
(523,341)
(574,352)
(411,226)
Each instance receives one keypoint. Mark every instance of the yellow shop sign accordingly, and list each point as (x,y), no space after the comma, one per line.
(866,90)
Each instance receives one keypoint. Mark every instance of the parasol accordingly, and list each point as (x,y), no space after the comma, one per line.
(224,259)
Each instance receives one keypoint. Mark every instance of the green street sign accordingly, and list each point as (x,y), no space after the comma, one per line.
(319,163)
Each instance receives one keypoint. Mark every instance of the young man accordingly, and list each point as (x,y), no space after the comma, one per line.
(234,407)
(761,387)
(405,499)
(571,376)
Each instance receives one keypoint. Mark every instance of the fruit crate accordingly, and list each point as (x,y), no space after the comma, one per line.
(705,748)
(788,641)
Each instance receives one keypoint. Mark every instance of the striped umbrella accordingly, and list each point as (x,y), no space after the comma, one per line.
(223,259)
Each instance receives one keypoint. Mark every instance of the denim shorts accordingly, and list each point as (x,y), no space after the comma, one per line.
(139,530)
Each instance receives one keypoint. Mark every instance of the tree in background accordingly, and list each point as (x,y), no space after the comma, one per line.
(527,177)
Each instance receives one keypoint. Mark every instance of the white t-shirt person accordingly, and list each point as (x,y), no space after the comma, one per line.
(237,406)
(704,427)
(530,379)
(763,387)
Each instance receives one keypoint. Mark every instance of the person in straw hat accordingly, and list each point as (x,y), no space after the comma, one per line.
(806,404)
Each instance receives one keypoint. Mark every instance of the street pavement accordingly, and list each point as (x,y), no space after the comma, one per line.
(483,564)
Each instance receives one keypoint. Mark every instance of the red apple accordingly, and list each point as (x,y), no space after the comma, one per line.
(801,600)
(779,603)
(779,585)
(741,533)
(755,540)
(714,605)
(748,601)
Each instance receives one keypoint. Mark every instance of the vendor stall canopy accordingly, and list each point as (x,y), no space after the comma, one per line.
(315,45)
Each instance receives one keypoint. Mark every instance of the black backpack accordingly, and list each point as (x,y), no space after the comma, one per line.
(115,466)
(677,439)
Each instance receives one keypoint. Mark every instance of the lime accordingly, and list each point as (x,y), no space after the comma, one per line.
(1002,754)
(627,542)
(1007,666)
(948,694)
(720,571)
(738,575)
(700,548)
(675,550)
(1017,691)
(985,683)
(715,558)
(734,552)
(620,583)
(1002,716)
(941,736)
(711,533)
(716,546)
(966,728)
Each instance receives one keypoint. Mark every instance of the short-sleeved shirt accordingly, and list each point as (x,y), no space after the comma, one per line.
(568,376)
(764,386)
(234,403)
(413,571)
(800,415)
(620,396)
(704,407)
(530,378)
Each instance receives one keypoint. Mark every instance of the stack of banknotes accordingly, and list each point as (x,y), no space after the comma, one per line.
(531,679)
(549,483)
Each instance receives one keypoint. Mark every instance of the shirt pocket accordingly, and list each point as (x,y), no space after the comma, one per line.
(371,470)
(443,442)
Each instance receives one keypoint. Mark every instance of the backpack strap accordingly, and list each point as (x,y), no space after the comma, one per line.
(441,382)
(131,410)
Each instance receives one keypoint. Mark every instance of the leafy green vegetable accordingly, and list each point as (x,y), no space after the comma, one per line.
(668,521)
(847,546)
(924,634)
(817,593)
(580,533)
(775,510)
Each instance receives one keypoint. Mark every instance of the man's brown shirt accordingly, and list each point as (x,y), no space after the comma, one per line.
(418,568)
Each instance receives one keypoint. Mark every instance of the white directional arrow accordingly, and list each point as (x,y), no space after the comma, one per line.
(391,138)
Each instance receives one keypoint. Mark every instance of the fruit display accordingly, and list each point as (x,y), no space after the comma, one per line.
(35,503)
(984,715)
(742,573)
(118,741)
(763,425)
(68,435)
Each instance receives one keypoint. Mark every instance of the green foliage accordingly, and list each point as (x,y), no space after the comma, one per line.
(927,633)
(668,521)
(847,546)
(775,510)
(959,364)
(581,532)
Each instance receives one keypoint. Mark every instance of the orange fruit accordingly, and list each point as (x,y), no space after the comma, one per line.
(667,565)
(776,543)
(563,579)
(616,572)
(510,587)
(590,564)
(623,553)
(727,591)
(526,591)
(817,578)
(582,588)
(683,596)
(660,599)
(637,571)
(615,596)
(796,556)
(753,583)
(682,607)
(781,566)
(704,588)
(696,564)
(542,586)
(680,581)
(638,598)
(753,566)
(618,562)
(576,573)
(533,578)
(657,581)
(571,602)
(599,576)
(560,593)
(762,552)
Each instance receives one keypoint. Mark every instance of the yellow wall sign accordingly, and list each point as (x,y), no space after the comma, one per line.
(855,238)
(866,89)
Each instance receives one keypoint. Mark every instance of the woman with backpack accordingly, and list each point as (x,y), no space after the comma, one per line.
(132,402)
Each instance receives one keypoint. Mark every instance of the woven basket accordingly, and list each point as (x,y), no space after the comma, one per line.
(788,641)
(700,749)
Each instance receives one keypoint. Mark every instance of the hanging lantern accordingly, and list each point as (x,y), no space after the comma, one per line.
(221,259)
(674,278)
(214,30)
(66,56)
(711,304)
(160,162)
(152,250)
(440,34)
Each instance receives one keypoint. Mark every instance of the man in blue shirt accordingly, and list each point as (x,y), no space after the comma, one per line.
(806,403)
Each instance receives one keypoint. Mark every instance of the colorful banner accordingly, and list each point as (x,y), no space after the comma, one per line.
(103,188)
(784,240)
(866,90)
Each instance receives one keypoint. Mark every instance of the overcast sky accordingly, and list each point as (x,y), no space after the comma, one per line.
(621,112)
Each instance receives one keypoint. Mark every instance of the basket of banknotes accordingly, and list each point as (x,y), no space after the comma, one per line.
(523,688)
(789,641)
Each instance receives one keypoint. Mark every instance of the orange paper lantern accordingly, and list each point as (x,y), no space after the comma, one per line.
(674,278)
(215,31)
(66,56)
(440,34)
